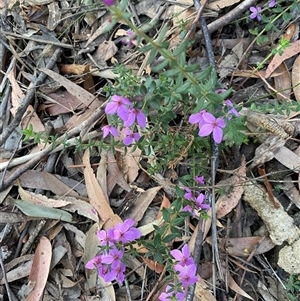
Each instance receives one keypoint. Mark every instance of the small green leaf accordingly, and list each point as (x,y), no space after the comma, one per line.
(192,68)
(179,191)
(153,103)
(286,17)
(166,215)
(215,98)
(185,213)
(200,105)
(182,59)
(203,74)
(157,240)
(262,39)
(162,34)
(160,66)
(253,31)
(196,90)
(180,48)
(152,56)
(123,5)
(184,87)
(171,72)
(170,237)
(179,220)
(177,204)
(146,48)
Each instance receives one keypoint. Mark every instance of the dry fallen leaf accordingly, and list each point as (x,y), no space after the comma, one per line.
(153,265)
(96,195)
(40,199)
(30,116)
(231,60)
(234,286)
(290,31)
(296,78)
(290,51)
(54,16)
(24,264)
(90,251)
(128,163)
(202,292)
(61,103)
(79,235)
(104,52)
(81,207)
(114,175)
(40,269)
(141,204)
(283,81)
(84,96)
(243,246)
(226,202)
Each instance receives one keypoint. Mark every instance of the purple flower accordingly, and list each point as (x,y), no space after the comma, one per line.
(170,294)
(272,3)
(128,40)
(219,91)
(187,274)
(115,273)
(136,114)
(199,202)
(184,256)
(103,270)
(197,118)
(106,238)
(96,262)
(109,261)
(188,208)
(188,195)
(118,105)
(199,180)
(109,129)
(120,270)
(109,2)
(130,137)
(214,125)
(125,232)
(256,13)
(232,111)
(113,258)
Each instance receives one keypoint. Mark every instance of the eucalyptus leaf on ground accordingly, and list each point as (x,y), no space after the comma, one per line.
(34,210)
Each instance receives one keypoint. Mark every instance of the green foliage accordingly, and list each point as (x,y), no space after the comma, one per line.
(234,132)
(284,108)
(170,96)
(293,287)
(272,18)
(172,228)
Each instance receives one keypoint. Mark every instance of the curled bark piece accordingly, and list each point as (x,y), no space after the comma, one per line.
(279,224)
(289,258)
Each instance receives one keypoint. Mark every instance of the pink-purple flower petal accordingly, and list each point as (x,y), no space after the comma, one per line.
(141,119)
(209,118)
(199,180)
(205,130)
(109,2)
(111,108)
(196,118)
(217,134)
(123,112)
